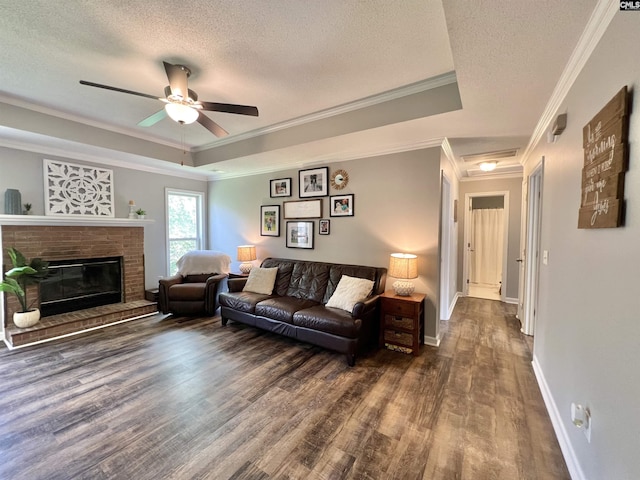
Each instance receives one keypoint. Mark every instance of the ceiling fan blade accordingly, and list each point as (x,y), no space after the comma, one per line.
(177,76)
(153,119)
(212,126)
(230,108)
(116,89)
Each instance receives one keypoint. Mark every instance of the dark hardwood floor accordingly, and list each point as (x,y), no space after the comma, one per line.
(163,398)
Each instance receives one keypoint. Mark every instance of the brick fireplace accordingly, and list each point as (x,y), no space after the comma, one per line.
(66,242)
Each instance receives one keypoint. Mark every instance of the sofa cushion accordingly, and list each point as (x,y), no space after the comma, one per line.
(327,319)
(282,308)
(241,301)
(261,280)
(309,280)
(187,291)
(350,290)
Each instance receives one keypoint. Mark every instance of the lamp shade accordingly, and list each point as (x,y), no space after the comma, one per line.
(403,265)
(247,253)
(181,113)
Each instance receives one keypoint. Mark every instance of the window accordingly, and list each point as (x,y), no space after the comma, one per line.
(184,225)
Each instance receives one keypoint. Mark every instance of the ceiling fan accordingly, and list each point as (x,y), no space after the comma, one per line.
(182,103)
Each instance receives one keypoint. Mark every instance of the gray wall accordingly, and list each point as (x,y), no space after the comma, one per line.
(514,187)
(396,207)
(587,336)
(24,170)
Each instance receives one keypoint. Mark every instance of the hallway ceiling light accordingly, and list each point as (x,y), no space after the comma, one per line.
(488,166)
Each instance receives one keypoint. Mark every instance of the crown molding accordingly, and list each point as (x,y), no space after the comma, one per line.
(16,102)
(497,176)
(448,152)
(596,27)
(131,162)
(418,87)
(334,158)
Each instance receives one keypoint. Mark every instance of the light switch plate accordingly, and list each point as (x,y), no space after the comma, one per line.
(545,257)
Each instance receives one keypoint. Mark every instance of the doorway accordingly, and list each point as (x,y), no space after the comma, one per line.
(486,245)
(529,301)
(446,229)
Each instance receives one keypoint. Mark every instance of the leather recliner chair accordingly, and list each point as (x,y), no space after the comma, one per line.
(191,294)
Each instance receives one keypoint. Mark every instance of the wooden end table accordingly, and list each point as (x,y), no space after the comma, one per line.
(402,322)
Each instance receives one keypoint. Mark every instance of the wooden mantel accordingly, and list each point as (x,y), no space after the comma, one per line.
(67,221)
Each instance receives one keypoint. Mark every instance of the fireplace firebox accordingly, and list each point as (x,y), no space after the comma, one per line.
(79,284)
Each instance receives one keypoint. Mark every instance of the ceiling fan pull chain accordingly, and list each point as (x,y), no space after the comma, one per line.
(184,150)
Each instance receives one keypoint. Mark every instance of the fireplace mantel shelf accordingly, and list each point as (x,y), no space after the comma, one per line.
(49,220)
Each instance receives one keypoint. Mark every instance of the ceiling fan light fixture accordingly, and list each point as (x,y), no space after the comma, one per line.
(488,166)
(181,113)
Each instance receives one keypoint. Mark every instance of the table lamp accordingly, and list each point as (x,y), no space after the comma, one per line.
(246,254)
(403,266)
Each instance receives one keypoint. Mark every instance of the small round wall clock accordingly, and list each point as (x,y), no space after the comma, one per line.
(339,179)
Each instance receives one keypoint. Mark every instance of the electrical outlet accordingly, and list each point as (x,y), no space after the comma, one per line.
(581,418)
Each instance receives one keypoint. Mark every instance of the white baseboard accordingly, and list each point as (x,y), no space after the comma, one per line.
(511,300)
(432,341)
(453,305)
(556,420)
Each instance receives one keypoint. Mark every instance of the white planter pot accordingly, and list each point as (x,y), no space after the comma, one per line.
(26,319)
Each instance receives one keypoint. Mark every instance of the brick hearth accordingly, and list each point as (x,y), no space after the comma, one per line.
(72,242)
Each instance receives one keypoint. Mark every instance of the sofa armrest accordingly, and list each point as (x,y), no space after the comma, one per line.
(236,284)
(214,279)
(361,309)
(168,281)
(163,291)
(211,290)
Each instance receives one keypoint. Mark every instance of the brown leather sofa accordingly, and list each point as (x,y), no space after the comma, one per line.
(296,308)
(190,294)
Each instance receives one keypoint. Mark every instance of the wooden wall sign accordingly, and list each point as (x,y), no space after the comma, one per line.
(606,158)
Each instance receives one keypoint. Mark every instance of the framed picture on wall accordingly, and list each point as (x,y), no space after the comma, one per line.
(324,226)
(341,205)
(270,220)
(280,187)
(300,234)
(313,182)
(303,208)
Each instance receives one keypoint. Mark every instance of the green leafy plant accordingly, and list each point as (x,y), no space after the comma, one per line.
(27,207)
(141,212)
(22,275)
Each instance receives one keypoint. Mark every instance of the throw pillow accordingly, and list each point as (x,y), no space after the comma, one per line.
(261,280)
(349,291)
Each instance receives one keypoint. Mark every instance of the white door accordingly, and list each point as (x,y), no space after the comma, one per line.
(532,250)
(445,248)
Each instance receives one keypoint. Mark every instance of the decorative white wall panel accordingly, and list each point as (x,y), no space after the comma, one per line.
(71,189)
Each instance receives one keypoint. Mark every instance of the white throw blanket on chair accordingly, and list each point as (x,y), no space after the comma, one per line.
(196,262)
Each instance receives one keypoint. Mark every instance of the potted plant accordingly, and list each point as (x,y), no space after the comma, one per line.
(27,209)
(141,213)
(18,279)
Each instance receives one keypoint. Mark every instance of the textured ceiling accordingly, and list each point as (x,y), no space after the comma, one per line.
(292,59)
